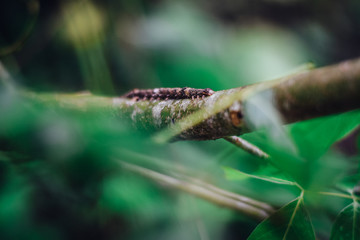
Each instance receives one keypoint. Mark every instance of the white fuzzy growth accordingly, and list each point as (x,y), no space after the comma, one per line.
(236,107)
(184,104)
(156,111)
(173,107)
(120,101)
(136,111)
(210,121)
(226,115)
(210,101)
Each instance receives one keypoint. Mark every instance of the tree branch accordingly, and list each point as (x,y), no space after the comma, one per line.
(320,92)
(315,93)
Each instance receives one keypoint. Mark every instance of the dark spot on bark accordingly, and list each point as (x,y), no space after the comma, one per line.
(236,118)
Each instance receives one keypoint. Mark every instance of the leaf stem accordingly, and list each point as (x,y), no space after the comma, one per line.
(339,195)
(300,199)
(254,209)
(246,146)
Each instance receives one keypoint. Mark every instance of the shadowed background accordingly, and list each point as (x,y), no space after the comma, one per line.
(58,176)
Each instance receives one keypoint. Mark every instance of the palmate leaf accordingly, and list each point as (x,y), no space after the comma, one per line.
(290,222)
(347,224)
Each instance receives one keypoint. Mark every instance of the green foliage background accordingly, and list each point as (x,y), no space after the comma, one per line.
(60,175)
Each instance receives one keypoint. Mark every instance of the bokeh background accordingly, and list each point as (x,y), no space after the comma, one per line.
(58,176)
(112,46)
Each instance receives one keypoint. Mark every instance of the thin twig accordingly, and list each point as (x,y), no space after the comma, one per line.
(246,146)
(217,197)
(250,201)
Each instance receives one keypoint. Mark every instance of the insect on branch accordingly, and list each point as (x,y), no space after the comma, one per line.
(168,93)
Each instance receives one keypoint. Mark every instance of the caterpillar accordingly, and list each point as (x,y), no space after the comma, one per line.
(168,93)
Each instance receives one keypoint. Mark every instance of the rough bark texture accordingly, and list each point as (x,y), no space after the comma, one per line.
(208,124)
(307,95)
(320,92)
(213,121)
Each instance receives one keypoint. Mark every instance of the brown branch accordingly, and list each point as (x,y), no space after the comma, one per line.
(315,93)
(246,146)
(320,92)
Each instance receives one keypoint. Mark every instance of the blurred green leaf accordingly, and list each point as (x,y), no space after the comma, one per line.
(272,137)
(347,224)
(301,150)
(290,222)
(131,195)
(314,137)
(58,177)
(264,174)
(349,182)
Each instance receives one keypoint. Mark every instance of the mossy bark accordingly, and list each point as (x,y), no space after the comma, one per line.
(315,93)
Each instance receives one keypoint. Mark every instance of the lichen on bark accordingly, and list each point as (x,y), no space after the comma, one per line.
(315,93)
(210,122)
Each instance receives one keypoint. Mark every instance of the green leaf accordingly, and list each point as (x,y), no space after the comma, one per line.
(347,225)
(290,222)
(234,174)
(348,183)
(313,137)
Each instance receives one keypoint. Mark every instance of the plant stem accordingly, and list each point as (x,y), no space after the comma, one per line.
(252,208)
(315,93)
(246,146)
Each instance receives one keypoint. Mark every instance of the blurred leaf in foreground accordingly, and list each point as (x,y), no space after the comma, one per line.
(290,222)
(313,137)
(346,226)
(266,175)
